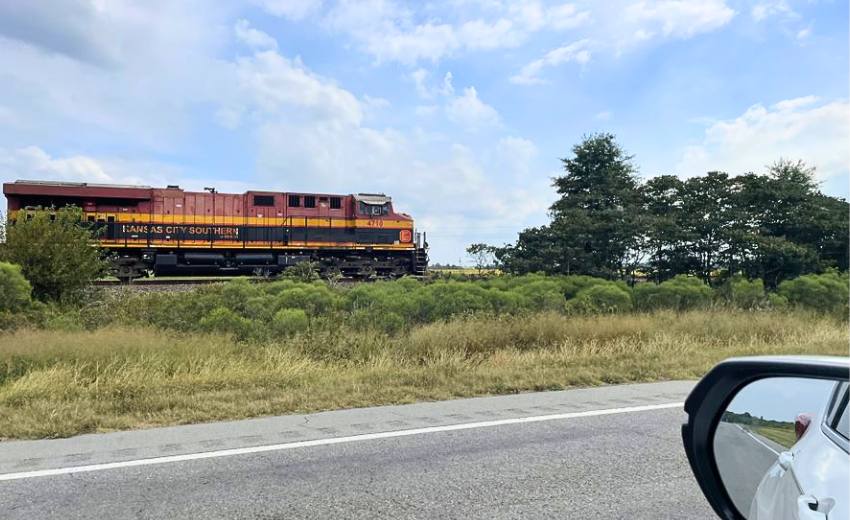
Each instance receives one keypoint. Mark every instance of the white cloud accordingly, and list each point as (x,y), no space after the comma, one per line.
(800,128)
(391,32)
(679,18)
(273,84)
(253,38)
(577,52)
(620,25)
(518,153)
(32,162)
(292,9)
(470,112)
(134,73)
(426,110)
(419,77)
(375,103)
(764,10)
(566,16)
(447,89)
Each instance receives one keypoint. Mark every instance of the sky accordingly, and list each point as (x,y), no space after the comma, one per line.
(783,398)
(459,110)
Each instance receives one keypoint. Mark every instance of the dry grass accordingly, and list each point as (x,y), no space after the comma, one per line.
(55,384)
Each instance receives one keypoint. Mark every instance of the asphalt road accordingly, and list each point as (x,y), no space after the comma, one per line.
(743,458)
(612,452)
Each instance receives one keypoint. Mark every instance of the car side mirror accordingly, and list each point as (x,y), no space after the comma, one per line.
(767,437)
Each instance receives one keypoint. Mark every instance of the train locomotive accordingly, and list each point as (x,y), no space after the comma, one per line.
(174,231)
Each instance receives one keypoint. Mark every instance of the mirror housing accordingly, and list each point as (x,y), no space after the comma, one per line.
(712,395)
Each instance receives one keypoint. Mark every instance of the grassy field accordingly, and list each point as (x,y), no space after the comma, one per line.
(61,383)
(782,436)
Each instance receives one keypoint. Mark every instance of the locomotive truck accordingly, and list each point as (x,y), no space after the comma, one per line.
(174,231)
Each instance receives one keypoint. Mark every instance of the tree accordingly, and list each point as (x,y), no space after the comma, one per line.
(56,253)
(598,218)
(14,288)
(774,259)
(534,251)
(709,219)
(793,228)
(482,255)
(772,226)
(597,224)
(666,239)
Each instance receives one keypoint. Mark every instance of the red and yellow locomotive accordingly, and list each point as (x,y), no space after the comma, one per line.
(173,231)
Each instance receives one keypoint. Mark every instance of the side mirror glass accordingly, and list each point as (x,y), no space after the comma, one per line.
(780,448)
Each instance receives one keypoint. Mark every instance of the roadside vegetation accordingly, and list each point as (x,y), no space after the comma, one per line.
(121,359)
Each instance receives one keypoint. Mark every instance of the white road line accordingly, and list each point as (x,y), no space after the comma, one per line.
(758,440)
(331,441)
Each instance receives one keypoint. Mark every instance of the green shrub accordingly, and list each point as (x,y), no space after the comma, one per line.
(222,319)
(55,252)
(9,321)
(680,293)
(572,285)
(446,299)
(303,271)
(777,301)
(313,298)
(743,294)
(15,290)
(826,292)
(287,322)
(260,308)
(235,294)
(602,298)
(541,295)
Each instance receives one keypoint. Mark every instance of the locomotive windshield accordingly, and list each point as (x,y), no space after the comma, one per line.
(374,210)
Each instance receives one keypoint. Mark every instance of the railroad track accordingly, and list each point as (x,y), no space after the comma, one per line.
(146,282)
(178,281)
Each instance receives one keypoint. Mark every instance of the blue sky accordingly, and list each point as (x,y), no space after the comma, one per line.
(458,109)
(783,398)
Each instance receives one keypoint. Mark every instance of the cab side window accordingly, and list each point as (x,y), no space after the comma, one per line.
(374,210)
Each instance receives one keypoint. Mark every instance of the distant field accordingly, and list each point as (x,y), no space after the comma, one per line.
(783,436)
(56,383)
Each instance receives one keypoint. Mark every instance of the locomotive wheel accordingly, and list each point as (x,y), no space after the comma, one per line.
(126,269)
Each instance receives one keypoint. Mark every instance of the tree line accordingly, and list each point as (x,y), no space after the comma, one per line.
(610,224)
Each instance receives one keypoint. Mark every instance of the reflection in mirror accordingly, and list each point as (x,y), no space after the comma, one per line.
(758,446)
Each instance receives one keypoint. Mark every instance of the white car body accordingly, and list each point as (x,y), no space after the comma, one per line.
(809,482)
